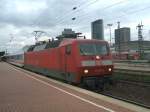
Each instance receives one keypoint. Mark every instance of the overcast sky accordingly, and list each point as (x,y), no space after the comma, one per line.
(19,18)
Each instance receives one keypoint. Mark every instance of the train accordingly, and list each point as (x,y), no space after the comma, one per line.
(125,56)
(72,59)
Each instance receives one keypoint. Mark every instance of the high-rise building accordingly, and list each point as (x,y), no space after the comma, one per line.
(122,38)
(97,29)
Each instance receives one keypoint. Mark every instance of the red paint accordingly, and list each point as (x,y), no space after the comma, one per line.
(57,59)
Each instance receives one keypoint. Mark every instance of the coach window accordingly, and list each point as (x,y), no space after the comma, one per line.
(68,49)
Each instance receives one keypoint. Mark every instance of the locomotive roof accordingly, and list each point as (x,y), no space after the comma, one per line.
(69,41)
(56,43)
(42,46)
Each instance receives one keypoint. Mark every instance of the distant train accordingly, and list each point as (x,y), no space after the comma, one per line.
(77,61)
(16,59)
(126,56)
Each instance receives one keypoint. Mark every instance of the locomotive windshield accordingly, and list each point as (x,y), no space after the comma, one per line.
(93,49)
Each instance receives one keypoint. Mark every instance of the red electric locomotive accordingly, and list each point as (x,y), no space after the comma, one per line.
(74,60)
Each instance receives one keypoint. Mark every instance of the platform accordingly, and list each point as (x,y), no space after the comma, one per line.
(24,91)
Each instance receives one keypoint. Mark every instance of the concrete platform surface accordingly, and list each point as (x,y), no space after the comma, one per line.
(24,91)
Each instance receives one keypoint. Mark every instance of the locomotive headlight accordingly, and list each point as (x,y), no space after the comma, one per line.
(97,57)
(109,69)
(86,71)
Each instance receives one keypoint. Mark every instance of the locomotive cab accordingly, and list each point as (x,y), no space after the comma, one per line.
(92,61)
(96,63)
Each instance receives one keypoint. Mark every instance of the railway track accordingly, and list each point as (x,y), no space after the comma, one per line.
(127,85)
(132,68)
(105,93)
(122,98)
(131,71)
(136,83)
(126,100)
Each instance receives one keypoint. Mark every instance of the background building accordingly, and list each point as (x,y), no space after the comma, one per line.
(122,38)
(97,30)
(126,46)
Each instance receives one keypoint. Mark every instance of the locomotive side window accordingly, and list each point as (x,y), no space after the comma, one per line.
(68,49)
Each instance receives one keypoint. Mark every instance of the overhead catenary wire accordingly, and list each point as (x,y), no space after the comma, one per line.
(129,13)
(87,4)
(73,7)
(58,19)
(107,7)
(114,19)
(101,9)
(69,12)
(72,11)
(78,9)
(104,8)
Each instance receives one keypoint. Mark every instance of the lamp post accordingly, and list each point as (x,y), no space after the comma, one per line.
(110,25)
(140,39)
